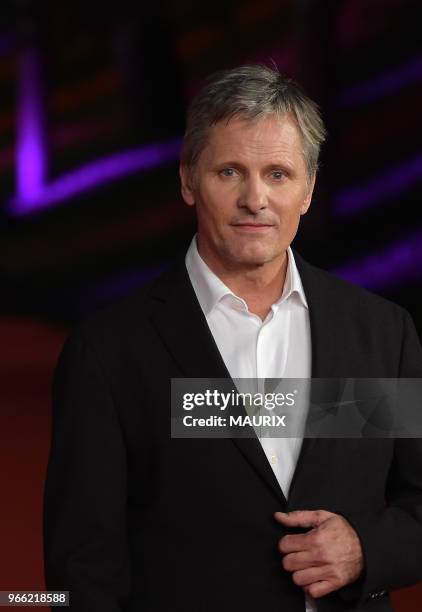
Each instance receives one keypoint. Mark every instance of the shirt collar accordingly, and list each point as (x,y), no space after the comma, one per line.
(210,290)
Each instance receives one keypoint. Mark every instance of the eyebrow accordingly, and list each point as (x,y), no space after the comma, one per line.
(285,165)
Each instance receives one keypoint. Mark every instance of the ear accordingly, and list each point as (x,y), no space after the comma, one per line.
(186,185)
(307,201)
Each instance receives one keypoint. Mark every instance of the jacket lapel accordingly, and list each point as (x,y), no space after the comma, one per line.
(326,323)
(181,324)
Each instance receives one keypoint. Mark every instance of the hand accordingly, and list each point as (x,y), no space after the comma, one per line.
(324,559)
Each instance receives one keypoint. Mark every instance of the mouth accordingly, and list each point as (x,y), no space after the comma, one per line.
(251,227)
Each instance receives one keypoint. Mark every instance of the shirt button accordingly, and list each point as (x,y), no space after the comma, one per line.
(273,459)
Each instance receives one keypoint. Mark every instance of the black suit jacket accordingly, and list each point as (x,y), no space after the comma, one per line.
(137,521)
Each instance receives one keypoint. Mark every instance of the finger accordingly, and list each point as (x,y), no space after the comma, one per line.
(302,518)
(299,561)
(294,543)
(310,575)
(320,588)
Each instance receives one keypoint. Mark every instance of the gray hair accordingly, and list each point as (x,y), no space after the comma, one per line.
(252,92)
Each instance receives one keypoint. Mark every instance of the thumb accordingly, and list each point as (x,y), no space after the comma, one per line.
(302,518)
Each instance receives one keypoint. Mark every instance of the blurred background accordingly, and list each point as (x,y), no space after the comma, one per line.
(92,104)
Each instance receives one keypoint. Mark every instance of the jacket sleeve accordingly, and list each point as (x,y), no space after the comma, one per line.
(392,538)
(85,527)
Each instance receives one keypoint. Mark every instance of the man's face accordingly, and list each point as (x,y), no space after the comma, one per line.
(250,188)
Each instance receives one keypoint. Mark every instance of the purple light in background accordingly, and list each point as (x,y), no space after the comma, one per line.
(92,297)
(399,263)
(8,42)
(397,180)
(381,85)
(31,153)
(95,174)
(120,285)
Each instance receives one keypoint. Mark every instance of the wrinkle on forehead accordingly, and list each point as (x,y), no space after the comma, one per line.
(269,137)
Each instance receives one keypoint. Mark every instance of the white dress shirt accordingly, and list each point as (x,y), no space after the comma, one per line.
(278,347)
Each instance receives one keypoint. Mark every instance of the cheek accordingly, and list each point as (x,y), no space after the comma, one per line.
(291,201)
(214,205)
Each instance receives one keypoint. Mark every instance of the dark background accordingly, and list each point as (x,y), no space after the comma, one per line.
(92,103)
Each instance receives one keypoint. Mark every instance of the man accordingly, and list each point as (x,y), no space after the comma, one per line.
(135,520)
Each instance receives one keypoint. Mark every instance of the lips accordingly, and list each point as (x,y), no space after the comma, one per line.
(252,227)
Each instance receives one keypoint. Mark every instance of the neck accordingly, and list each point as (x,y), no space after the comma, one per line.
(260,286)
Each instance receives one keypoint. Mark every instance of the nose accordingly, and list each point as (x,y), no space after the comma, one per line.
(253,195)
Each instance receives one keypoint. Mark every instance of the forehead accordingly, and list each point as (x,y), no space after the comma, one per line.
(260,139)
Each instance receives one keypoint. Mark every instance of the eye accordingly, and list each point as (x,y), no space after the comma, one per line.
(227,172)
(278,175)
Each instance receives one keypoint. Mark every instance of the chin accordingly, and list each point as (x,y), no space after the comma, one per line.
(254,257)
